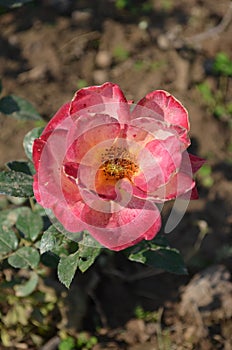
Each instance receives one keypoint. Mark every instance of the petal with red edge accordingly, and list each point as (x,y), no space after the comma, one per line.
(56,120)
(36,188)
(107,99)
(37,150)
(166,107)
(121,229)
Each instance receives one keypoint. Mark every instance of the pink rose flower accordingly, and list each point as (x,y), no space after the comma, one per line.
(103,163)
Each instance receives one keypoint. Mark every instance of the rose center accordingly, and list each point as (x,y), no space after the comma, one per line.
(118,163)
(119,168)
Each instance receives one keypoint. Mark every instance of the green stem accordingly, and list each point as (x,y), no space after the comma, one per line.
(32,204)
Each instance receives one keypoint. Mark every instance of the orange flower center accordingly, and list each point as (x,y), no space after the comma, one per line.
(118,163)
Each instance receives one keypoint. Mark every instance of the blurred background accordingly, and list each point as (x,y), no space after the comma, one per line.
(51,48)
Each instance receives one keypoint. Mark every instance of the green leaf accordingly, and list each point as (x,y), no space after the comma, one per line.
(24,257)
(16,184)
(30,224)
(8,240)
(17,107)
(13,3)
(21,166)
(159,240)
(67,344)
(28,287)
(206,93)
(205,175)
(67,268)
(9,217)
(223,64)
(165,258)
(54,241)
(89,249)
(38,209)
(29,140)
(51,240)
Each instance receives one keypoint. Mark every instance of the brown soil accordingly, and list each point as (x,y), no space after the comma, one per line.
(46,54)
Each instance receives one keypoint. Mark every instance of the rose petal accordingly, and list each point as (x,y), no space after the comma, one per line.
(158,161)
(36,189)
(56,120)
(107,99)
(192,194)
(49,166)
(91,137)
(178,185)
(165,107)
(196,162)
(37,150)
(127,227)
(141,128)
(117,231)
(55,141)
(69,216)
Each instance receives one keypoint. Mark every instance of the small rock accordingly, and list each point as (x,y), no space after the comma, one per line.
(163,42)
(190,332)
(143,25)
(103,59)
(135,332)
(81,17)
(100,76)
(151,328)
(136,326)
(13,40)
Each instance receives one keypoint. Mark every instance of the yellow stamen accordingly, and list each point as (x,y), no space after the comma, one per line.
(119,168)
(118,163)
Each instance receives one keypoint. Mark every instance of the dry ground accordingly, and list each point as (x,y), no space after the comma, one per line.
(45,55)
